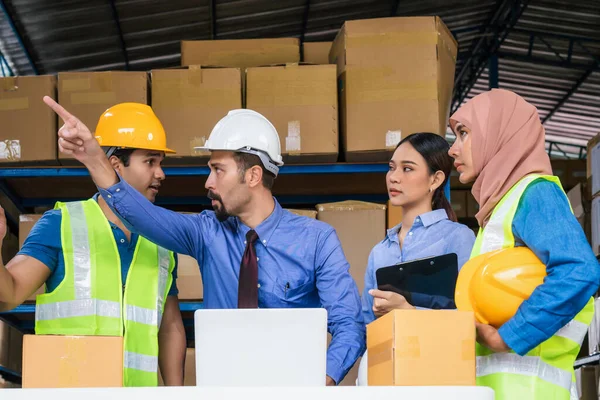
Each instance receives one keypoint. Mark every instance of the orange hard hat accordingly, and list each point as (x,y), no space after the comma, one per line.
(133,126)
(493,285)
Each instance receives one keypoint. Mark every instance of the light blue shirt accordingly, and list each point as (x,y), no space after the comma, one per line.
(432,234)
(300,264)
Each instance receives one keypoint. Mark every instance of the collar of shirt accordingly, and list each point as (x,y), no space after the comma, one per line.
(133,239)
(424,220)
(266,228)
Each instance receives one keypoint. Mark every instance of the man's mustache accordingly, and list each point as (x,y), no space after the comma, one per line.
(214,196)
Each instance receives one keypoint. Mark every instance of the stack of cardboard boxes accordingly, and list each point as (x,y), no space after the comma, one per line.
(593,168)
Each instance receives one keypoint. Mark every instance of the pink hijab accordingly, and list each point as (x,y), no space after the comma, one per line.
(507,143)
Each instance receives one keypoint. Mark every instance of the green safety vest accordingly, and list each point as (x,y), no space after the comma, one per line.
(91,301)
(546,372)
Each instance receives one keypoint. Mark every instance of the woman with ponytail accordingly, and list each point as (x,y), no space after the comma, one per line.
(419,170)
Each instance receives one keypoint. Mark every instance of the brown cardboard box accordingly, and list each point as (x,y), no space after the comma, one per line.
(11,346)
(189,279)
(593,163)
(88,94)
(189,371)
(396,78)
(26,223)
(28,132)
(589,382)
(458,201)
(189,102)
(301,102)
(406,348)
(316,52)
(560,169)
(394,215)
(575,196)
(72,361)
(303,213)
(241,54)
(359,226)
(576,172)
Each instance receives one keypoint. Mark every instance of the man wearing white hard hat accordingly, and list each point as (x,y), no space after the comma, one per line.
(251,252)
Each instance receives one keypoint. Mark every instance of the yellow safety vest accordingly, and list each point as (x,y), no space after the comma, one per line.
(91,301)
(546,372)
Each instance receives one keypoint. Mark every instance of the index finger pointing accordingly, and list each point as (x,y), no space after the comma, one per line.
(57,108)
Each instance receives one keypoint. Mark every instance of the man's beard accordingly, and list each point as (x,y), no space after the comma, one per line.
(220,210)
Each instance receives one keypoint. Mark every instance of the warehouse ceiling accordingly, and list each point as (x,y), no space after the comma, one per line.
(548,51)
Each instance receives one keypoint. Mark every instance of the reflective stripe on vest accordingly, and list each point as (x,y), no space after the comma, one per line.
(511,363)
(90,252)
(550,362)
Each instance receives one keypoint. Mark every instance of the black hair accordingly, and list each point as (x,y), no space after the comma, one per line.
(122,154)
(245,161)
(434,149)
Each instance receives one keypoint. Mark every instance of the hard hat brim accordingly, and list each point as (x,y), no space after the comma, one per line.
(163,149)
(204,148)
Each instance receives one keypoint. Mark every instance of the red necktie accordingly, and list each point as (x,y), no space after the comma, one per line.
(248,285)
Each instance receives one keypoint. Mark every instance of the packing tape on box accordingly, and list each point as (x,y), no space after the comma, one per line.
(194,74)
(381,353)
(293,138)
(181,96)
(10,150)
(9,83)
(373,90)
(75,84)
(19,103)
(94,98)
(392,38)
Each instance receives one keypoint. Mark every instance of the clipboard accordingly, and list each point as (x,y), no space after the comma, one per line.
(433,276)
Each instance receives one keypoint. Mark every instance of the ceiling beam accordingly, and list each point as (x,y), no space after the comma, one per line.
(570,93)
(15,26)
(492,36)
(117,20)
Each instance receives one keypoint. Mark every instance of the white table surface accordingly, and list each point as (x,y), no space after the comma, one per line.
(242,393)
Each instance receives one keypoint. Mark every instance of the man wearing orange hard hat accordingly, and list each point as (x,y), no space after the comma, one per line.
(102,279)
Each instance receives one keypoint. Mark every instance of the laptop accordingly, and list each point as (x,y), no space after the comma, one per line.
(261,347)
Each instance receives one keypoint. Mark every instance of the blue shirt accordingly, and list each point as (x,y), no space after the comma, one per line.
(545,224)
(300,264)
(44,244)
(432,234)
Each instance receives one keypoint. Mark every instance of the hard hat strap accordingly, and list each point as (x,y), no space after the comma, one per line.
(110,151)
(264,159)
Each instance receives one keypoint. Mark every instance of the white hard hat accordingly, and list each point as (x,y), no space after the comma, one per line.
(247,131)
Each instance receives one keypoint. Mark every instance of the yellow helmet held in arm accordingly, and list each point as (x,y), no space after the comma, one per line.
(493,285)
(132,126)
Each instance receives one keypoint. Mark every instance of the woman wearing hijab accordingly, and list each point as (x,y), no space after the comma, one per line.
(500,148)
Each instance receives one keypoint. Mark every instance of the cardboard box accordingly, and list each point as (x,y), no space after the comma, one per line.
(575,197)
(301,102)
(594,330)
(189,371)
(596,225)
(316,52)
(359,226)
(72,361)
(26,223)
(189,279)
(394,215)
(244,53)
(303,213)
(189,102)
(589,383)
(29,130)
(396,78)
(89,94)
(458,201)
(422,348)
(593,163)
(11,347)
